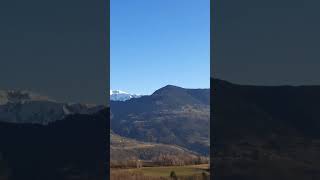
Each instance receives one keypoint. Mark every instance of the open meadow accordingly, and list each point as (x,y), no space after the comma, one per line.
(191,172)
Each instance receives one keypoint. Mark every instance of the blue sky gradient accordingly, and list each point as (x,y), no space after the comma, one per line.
(159,42)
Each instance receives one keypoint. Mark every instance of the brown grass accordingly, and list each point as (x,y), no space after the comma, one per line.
(135,174)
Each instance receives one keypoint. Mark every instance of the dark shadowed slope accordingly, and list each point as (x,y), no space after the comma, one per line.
(265,132)
(261,110)
(72,148)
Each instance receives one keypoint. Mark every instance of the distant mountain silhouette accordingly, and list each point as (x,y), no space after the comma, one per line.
(28,107)
(72,148)
(265,132)
(171,115)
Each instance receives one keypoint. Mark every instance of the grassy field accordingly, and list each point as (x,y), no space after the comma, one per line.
(192,172)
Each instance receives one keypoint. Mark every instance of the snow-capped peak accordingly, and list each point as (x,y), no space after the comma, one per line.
(112,92)
(118,95)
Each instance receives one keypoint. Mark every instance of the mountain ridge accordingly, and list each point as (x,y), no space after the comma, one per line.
(28,107)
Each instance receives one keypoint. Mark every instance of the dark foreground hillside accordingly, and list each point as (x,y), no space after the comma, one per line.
(265,133)
(72,148)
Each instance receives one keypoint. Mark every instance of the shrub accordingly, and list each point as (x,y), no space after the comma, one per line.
(173,175)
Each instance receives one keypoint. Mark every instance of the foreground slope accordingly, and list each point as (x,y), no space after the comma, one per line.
(126,150)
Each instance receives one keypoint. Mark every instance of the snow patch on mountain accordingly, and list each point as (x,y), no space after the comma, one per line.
(118,95)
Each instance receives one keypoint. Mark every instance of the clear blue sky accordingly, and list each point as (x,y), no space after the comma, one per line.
(159,42)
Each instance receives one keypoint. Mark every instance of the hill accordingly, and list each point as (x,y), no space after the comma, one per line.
(124,151)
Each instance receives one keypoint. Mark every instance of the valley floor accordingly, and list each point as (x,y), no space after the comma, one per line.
(191,172)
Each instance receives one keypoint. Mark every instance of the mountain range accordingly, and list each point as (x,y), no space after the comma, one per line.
(171,115)
(174,124)
(258,132)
